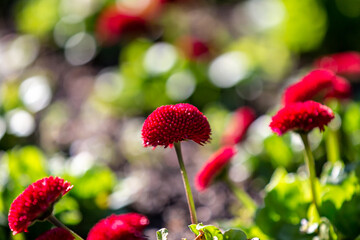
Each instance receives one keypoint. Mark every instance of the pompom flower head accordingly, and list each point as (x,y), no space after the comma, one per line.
(238,126)
(36,202)
(213,167)
(301,117)
(125,227)
(56,234)
(174,123)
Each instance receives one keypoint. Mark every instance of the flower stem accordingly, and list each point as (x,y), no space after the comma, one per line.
(332,146)
(189,196)
(310,163)
(241,195)
(52,219)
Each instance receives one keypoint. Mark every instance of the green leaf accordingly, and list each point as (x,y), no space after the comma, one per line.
(95,183)
(234,234)
(210,232)
(286,201)
(194,229)
(162,234)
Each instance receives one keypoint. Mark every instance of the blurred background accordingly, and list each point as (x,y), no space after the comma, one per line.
(78,78)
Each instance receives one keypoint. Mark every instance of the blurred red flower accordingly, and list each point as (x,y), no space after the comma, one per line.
(341,89)
(125,227)
(56,234)
(317,85)
(124,19)
(239,123)
(213,167)
(344,63)
(301,117)
(36,202)
(192,47)
(112,23)
(174,123)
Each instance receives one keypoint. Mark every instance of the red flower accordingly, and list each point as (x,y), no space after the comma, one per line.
(36,202)
(56,234)
(345,63)
(125,227)
(193,48)
(112,23)
(174,123)
(302,117)
(238,126)
(213,167)
(341,89)
(317,85)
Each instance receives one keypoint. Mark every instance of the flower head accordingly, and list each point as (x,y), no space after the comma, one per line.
(341,89)
(345,63)
(125,226)
(317,82)
(113,23)
(36,202)
(238,126)
(174,123)
(193,48)
(302,117)
(213,167)
(317,85)
(56,234)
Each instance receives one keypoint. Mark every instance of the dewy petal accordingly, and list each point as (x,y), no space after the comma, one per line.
(127,226)
(301,116)
(56,234)
(174,123)
(216,163)
(238,126)
(36,200)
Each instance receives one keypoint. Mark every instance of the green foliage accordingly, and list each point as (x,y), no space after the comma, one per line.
(278,151)
(95,181)
(210,232)
(286,202)
(37,17)
(162,234)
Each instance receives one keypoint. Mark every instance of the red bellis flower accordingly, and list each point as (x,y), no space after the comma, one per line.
(174,123)
(56,234)
(193,48)
(345,63)
(125,227)
(113,23)
(301,117)
(213,167)
(239,123)
(36,202)
(317,85)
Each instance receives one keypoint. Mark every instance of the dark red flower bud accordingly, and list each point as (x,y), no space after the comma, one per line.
(213,167)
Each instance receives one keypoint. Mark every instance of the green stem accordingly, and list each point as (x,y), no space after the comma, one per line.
(189,196)
(242,196)
(332,146)
(310,163)
(57,223)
